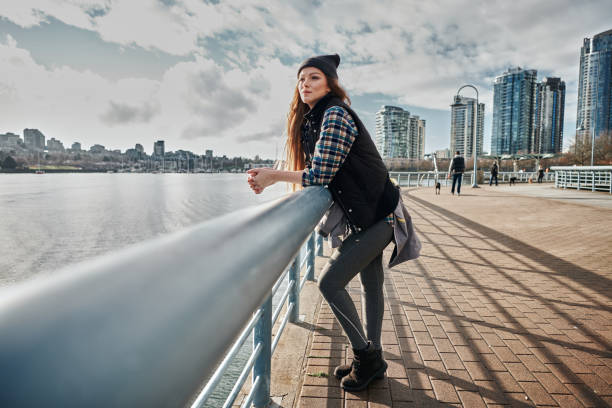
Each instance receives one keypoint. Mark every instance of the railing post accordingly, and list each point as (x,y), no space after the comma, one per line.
(578,179)
(294,294)
(610,182)
(592,181)
(263,364)
(310,264)
(399,179)
(319,245)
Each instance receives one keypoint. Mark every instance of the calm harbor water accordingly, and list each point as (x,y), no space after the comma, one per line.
(52,220)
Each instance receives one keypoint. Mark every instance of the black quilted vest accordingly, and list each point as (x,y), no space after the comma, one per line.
(361,186)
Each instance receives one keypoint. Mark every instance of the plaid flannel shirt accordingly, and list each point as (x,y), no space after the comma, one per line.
(338,132)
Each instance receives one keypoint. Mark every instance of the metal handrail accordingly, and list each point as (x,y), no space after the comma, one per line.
(144,326)
(429,178)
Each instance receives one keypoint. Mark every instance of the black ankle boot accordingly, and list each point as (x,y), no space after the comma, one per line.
(345,369)
(367,365)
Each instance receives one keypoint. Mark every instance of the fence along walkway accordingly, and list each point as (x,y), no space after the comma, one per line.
(593,178)
(509,304)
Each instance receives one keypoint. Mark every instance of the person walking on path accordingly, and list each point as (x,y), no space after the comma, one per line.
(494,171)
(456,169)
(540,173)
(327,144)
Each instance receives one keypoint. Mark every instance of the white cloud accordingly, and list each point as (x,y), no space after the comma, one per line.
(195,105)
(416,53)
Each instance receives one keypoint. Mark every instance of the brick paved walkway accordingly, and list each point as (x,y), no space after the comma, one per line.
(509,304)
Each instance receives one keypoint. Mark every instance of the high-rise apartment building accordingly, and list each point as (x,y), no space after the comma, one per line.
(97,148)
(467,122)
(76,147)
(416,138)
(594,112)
(399,134)
(443,154)
(391,131)
(158,148)
(9,140)
(550,107)
(513,111)
(54,145)
(34,139)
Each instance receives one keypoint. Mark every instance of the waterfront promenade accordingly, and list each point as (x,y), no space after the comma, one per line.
(510,303)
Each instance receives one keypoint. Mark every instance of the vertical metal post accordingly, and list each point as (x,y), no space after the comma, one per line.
(399,179)
(319,245)
(263,364)
(578,180)
(294,294)
(610,181)
(310,264)
(556,179)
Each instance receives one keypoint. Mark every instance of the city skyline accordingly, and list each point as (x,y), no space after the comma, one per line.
(220,76)
(35,139)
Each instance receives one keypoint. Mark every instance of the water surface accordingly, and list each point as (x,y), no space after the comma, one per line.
(51,220)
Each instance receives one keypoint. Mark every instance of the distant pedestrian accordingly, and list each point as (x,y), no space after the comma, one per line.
(456,169)
(494,171)
(540,174)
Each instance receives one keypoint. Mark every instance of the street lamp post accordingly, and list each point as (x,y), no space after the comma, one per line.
(475,145)
(594,123)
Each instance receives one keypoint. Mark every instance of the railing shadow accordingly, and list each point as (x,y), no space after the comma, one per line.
(578,274)
(513,320)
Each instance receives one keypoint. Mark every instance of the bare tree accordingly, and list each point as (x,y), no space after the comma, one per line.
(580,151)
(602,153)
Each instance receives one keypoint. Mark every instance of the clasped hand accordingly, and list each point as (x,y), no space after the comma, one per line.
(260,178)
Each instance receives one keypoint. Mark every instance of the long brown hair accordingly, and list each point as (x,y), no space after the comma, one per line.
(295,118)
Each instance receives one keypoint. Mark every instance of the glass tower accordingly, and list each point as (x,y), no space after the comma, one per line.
(594,112)
(399,134)
(550,107)
(416,138)
(465,122)
(391,131)
(513,111)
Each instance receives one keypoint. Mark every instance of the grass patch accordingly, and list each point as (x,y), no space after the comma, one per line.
(320,374)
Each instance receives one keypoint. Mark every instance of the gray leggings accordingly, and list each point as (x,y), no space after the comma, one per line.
(359,253)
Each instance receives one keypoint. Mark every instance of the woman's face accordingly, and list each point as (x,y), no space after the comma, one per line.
(312,85)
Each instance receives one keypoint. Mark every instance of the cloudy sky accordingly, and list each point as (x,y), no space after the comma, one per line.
(219,75)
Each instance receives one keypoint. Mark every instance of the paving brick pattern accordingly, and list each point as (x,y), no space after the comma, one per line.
(510,304)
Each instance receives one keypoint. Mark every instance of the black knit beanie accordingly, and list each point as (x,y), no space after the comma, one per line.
(326,63)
